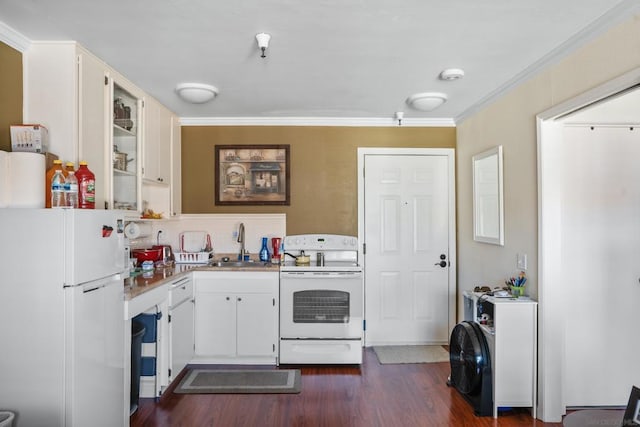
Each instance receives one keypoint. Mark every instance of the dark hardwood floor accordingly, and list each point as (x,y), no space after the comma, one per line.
(333,396)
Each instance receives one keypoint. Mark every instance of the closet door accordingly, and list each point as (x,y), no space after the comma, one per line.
(601,248)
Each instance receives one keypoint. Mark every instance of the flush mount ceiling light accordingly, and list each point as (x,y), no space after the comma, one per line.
(196,93)
(426,101)
(451,74)
(263,42)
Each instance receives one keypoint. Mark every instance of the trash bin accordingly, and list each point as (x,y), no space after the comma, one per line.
(6,418)
(137,331)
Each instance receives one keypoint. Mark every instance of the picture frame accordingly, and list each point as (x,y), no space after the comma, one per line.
(252,175)
(632,413)
(488,197)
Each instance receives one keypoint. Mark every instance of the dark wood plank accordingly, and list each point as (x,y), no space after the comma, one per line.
(332,396)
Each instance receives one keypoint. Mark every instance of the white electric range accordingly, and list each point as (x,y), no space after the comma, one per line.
(321,302)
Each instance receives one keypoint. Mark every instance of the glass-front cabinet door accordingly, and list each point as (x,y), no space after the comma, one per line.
(125,147)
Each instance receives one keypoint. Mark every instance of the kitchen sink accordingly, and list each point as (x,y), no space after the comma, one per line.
(238,264)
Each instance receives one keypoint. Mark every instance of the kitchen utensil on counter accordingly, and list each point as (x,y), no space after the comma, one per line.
(167,253)
(195,241)
(147,255)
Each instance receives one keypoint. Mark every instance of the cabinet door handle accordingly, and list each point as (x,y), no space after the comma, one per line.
(228,298)
(239,299)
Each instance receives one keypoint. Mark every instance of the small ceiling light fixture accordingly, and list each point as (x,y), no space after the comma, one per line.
(196,93)
(399,116)
(263,42)
(452,74)
(426,101)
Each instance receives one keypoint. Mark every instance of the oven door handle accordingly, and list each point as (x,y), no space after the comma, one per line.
(321,275)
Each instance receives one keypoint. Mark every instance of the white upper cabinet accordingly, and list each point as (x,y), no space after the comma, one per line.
(176,166)
(95,114)
(124,137)
(64,90)
(157,143)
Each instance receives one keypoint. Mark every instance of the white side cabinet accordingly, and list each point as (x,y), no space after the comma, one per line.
(65,92)
(512,340)
(236,317)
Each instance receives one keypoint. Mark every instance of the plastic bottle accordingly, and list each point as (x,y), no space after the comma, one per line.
(68,167)
(57,165)
(71,190)
(58,199)
(264,251)
(86,187)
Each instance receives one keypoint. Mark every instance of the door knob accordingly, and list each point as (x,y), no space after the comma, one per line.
(442,263)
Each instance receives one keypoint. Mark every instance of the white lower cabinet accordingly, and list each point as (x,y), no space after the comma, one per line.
(180,325)
(236,317)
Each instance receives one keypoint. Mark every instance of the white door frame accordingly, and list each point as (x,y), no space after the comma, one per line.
(551,405)
(450,154)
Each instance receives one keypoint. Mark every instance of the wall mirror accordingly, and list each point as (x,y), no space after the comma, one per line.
(488,202)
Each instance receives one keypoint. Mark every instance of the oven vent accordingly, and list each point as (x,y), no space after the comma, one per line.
(321,306)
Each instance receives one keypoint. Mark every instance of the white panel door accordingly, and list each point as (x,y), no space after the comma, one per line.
(601,249)
(407,235)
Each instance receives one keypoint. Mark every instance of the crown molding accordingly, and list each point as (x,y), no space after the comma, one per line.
(614,16)
(314,121)
(13,38)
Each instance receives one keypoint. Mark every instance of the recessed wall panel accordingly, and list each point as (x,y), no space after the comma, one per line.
(390,223)
(423,223)
(422,300)
(390,304)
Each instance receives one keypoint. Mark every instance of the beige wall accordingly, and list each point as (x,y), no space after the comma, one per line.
(323,168)
(511,122)
(10,93)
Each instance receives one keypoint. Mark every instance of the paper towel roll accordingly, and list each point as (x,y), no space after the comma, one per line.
(26,180)
(135,230)
(4,179)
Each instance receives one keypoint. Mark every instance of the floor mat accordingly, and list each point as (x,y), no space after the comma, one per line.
(240,381)
(395,354)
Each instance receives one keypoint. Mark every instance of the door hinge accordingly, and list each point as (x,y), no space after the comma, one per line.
(364,248)
(143,103)
(106,80)
(169,318)
(169,373)
(364,325)
(274,302)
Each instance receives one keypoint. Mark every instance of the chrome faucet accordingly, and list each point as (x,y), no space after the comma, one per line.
(241,241)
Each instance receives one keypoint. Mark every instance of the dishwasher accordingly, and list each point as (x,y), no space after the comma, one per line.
(181,342)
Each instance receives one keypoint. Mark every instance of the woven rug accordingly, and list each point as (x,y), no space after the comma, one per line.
(240,381)
(397,354)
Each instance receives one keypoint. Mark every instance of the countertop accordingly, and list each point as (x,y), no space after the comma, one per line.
(144,282)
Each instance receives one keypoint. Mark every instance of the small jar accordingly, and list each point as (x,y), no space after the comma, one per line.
(147,266)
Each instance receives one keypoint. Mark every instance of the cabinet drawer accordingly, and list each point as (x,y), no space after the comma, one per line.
(179,290)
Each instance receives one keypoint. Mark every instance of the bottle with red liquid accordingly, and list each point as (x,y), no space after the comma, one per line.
(86,187)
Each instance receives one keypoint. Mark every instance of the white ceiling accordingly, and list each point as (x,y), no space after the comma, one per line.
(328,58)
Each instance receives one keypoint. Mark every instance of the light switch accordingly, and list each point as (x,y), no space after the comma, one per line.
(521,261)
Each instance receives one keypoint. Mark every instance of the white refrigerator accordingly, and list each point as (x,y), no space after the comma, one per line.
(62,346)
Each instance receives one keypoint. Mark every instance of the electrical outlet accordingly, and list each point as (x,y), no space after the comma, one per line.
(521,261)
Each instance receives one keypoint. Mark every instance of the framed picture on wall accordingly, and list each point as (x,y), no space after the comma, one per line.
(252,175)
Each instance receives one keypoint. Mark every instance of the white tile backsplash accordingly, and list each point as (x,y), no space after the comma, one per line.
(221,228)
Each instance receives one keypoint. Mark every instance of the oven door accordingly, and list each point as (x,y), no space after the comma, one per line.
(321,305)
